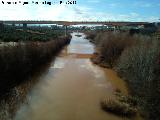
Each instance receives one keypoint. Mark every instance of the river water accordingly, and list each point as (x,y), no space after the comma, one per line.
(72,87)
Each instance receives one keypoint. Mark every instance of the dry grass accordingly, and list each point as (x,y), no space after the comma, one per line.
(118,107)
(121,105)
(91,35)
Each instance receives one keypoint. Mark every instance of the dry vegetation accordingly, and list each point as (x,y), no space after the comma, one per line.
(137,59)
(23,55)
(121,106)
(20,61)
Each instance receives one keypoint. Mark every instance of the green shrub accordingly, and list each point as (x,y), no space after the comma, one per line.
(11,34)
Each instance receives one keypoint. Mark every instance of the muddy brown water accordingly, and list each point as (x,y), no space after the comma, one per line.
(72,87)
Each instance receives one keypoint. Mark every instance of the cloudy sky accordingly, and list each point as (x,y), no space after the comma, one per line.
(84,10)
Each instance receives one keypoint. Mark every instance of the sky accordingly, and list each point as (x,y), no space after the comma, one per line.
(83,10)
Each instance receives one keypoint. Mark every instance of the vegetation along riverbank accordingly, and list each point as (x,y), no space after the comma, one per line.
(20,59)
(136,58)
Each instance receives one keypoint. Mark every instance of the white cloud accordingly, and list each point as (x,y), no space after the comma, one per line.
(153,19)
(134,14)
(14,12)
(65,13)
(93,1)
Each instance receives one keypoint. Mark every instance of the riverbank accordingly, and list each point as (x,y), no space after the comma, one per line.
(136,59)
(20,61)
(72,87)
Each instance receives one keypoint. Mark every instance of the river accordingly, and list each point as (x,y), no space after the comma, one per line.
(72,87)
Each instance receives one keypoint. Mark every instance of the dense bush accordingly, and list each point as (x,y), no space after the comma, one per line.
(13,34)
(136,58)
(111,45)
(91,35)
(19,61)
(140,66)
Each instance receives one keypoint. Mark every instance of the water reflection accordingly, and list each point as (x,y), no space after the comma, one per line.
(10,102)
(80,45)
(71,89)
